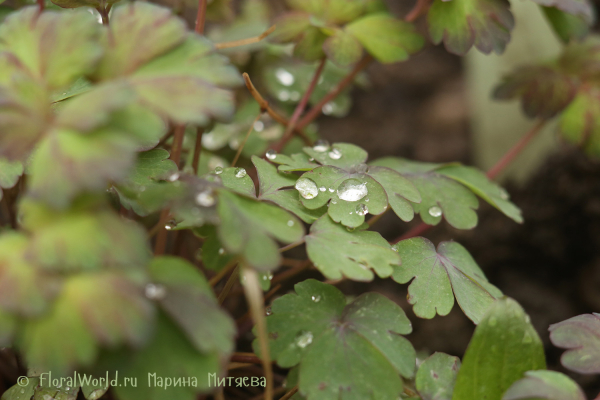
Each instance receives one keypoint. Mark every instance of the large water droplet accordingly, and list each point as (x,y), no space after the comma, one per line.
(321,146)
(285,77)
(205,198)
(259,126)
(335,154)
(352,190)
(271,154)
(155,291)
(304,339)
(240,173)
(435,211)
(307,188)
(362,209)
(218,170)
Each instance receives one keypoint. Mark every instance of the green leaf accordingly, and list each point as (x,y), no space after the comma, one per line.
(95,308)
(238,181)
(8,326)
(289,27)
(341,155)
(55,47)
(10,172)
(167,353)
(440,273)
(486,24)
(293,163)
(187,291)
(580,122)
(354,348)
(566,26)
(90,161)
(271,182)
(310,46)
(388,39)
(581,336)
(504,346)
(150,167)
(343,49)
(356,253)
(580,8)
(544,91)
(544,385)
(83,3)
(400,191)
(489,191)
(91,392)
(88,239)
(214,256)
(250,228)
(56,393)
(436,377)
(23,289)
(17,392)
(78,87)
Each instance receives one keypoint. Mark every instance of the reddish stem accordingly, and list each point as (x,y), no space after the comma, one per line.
(201,16)
(289,131)
(197,150)
(41,5)
(492,173)
(419,9)
(177,143)
(313,113)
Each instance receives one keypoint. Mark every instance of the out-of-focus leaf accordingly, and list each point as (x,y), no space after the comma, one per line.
(289,27)
(18,392)
(8,325)
(56,393)
(343,49)
(10,172)
(150,167)
(580,8)
(23,289)
(440,276)
(504,346)
(187,292)
(566,26)
(544,385)
(581,336)
(357,254)
(354,348)
(436,377)
(543,90)
(461,24)
(388,39)
(214,256)
(95,308)
(580,122)
(91,392)
(168,351)
(310,46)
(250,228)
(78,87)
(55,47)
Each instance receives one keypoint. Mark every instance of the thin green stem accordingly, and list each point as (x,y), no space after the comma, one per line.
(197,150)
(229,284)
(239,151)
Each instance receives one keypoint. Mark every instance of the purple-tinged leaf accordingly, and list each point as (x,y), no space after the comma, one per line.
(581,336)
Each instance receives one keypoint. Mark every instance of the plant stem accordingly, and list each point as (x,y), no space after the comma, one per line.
(161,240)
(177,144)
(217,278)
(289,394)
(492,173)
(289,131)
(41,5)
(515,150)
(373,220)
(243,42)
(201,17)
(103,13)
(419,9)
(197,150)
(264,106)
(248,358)
(291,272)
(254,296)
(228,285)
(317,109)
(239,151)
(291,246)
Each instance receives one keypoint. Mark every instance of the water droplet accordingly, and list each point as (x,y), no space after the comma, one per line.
(22,391)
(268,311)
(304,339)
(271,154)
(218,170)
(221,251)
(331,190)
(395,248)
(352,190)
(170,225)
(328,108)
(206,198)
(435,211)
(67,388)
(322,188)
(335,154)
(155,291)
(527,319)
(240,173)
(366,200)
(290,223)
(504,194)
(362,168)
(316,298)
(333,201)
(321,146)
(527,338)
(234,143)
(283,95)
(259,126)
(362,209)
(307,188)
(295,96)
(174,177)
(285,77)
(493,321)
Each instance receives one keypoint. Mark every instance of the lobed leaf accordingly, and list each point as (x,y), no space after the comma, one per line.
(442,275)
(567,26)
(353,349)
(544,385)
(356,254)
(342,48)
(580,335)
(504,346)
